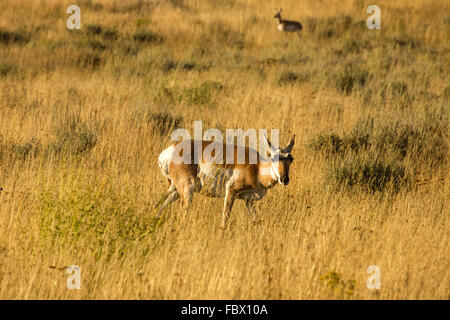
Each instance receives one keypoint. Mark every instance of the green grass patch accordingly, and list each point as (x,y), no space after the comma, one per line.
(88,216)
(340,287)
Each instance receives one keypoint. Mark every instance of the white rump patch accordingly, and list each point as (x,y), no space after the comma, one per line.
(164,160)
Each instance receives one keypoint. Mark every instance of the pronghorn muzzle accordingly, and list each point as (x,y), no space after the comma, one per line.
(285,180)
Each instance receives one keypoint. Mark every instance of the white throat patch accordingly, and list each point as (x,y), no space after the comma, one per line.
(275,173)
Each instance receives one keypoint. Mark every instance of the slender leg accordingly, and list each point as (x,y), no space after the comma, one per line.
(188,194)
(228,205)
(164,197)
(250,205)
(184,180)
(171,196)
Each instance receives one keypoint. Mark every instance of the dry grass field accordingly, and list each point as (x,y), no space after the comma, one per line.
(85,113)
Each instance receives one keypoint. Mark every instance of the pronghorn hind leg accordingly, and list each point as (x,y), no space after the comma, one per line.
(188,193)
(184,179)
(186,189)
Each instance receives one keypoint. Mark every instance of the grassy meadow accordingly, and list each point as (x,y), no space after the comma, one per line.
(85,113)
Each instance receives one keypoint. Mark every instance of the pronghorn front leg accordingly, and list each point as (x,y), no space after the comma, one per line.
(171,196)
(230,196)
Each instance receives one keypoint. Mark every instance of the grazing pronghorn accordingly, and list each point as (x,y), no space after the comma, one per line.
(217,176)
(287,25)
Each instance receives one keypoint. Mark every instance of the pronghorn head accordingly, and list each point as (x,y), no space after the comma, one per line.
(278,15)
(281,160)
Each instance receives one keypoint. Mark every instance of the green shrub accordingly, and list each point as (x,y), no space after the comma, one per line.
(147,36)
(290,77)
(23,150)
(88,59)
(163,122)
(89,4)
(340,287)
(331,143)
(96,45)
(94,29)
(6,68)
(347,78)
(18,150)
(201,94)
(376,155)
(398,88)
(73,136)
(168,65)
(189,65)
(197,95)
(110,34)
(404,41)
(422,143)
(14,37)
(367,172)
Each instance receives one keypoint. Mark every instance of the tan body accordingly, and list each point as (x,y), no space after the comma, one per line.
(219,176)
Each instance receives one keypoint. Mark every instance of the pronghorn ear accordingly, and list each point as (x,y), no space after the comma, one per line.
(271,149)
(288,149)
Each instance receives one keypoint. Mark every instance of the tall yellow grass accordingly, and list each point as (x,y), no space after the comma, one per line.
(84,115)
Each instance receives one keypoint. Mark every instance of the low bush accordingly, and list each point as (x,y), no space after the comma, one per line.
(73,136)
(379,154)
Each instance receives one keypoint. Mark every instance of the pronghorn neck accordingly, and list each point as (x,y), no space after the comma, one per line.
(267,174)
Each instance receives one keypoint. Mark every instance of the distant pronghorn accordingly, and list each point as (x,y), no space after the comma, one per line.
(287,25)
(223,179)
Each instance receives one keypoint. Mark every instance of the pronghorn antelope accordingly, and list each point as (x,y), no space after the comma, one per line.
(287,25)
(227,179)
